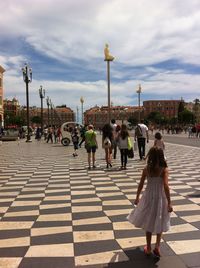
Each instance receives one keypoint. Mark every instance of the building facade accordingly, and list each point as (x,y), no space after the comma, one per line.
(98,116)
(168,108)
(2,70)
(11,107)
(57,116)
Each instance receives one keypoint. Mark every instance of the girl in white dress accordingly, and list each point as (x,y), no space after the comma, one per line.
(152,212)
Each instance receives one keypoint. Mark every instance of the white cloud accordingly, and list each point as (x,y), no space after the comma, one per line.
(140,33)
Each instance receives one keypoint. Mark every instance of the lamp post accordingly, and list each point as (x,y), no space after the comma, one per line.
(108,58)
(82,101)
(77,112)
(139,92)
(42,95)
(51,106)
(27,77)
(48,104)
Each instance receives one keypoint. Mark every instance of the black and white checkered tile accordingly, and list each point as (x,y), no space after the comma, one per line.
(54,212)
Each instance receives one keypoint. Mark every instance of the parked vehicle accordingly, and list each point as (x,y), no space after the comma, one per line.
(66,131)
(10,134)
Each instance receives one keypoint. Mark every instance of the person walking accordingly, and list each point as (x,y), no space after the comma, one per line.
(141,135)
(152,211)
(114,127)
(59,134)
(158,142)
(107,143)
(82,132)
(122,141)
(91,145)
(75,140)
(50,135)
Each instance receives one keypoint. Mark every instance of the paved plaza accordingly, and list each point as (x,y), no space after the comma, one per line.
(56,213)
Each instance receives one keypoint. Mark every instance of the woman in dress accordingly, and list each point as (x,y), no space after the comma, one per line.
(152,212)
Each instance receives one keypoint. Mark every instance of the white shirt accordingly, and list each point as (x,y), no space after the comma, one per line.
(144,129)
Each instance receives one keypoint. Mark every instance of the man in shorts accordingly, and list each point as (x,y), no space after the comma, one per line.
(91,145)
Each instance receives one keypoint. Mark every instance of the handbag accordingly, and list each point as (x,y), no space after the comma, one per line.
(131,153)
(129,143)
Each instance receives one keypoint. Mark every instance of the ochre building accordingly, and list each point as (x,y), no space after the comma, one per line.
(2,70)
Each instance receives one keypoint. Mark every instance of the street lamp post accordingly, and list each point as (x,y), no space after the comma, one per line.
(77,112)
(42,95)
(108,58)
(27,77)
(51,105)
(82,101)
(48,104)
(139,92)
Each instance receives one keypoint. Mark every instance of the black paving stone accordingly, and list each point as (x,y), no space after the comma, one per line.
(62,262)
(24,208)
(87,204)
(128,233)
(176,221)
(191,259)
(62,238)
(39,224)
(93,227)
(55,210)
(19,218)
(95,247)
(182,236)
(83,215)
(13,252)
(5,234)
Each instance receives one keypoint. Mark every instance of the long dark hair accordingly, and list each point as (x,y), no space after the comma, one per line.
(107,131)
(155,159)
(124,132)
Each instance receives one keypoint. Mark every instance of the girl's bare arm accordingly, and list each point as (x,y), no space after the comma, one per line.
(166,188)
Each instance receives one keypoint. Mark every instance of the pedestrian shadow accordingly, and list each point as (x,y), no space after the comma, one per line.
(136,259)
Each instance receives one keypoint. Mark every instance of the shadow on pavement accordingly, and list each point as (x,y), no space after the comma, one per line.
(136,259)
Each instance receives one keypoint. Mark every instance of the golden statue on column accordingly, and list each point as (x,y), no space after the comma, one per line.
(108,56)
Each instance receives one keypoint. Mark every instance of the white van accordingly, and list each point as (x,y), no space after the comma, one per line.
(66,132)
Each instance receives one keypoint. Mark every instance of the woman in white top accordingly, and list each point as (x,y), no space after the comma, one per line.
(122,141)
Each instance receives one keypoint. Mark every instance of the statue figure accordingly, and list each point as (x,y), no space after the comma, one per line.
(107,53)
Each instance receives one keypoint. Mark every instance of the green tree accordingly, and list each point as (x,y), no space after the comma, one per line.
(186,117)
(36,119)
(181,108)
(155,117)
(133,121)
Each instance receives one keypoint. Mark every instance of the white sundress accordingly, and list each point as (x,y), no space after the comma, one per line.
(151,213)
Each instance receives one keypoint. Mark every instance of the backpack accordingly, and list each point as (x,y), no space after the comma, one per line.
(138,132)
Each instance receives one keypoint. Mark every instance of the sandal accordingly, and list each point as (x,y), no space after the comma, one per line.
(156,252)
(146,252)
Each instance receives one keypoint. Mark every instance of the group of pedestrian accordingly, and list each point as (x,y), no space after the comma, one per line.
(152,211)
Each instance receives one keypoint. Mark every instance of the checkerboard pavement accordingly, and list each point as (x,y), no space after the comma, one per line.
(56,213)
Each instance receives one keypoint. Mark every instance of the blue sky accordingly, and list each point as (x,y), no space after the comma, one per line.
(155,44)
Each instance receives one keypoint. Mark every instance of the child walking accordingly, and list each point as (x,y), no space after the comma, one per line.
(158,142)
(152,212)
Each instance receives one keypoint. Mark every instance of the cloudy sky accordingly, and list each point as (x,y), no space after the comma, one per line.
(155,43)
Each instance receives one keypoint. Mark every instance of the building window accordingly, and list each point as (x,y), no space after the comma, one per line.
(0,82)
